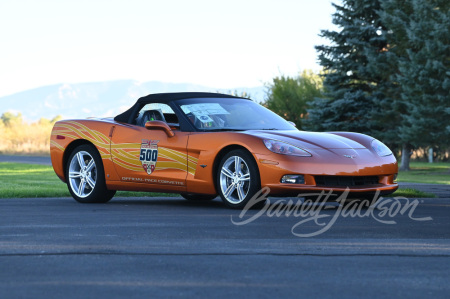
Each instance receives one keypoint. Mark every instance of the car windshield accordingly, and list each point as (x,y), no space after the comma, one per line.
(228,114)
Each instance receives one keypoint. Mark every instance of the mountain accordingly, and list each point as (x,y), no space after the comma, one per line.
(99,99)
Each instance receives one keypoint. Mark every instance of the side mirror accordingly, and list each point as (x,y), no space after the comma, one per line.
(292,123)
(159,125)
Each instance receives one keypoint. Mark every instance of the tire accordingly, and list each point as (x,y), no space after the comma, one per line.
(86,177)
(237,186)
(198,197)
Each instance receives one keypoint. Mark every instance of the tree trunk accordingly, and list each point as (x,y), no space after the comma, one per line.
(430,155)
(406,155)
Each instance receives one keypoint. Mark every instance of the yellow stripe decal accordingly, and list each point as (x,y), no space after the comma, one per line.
(125,155)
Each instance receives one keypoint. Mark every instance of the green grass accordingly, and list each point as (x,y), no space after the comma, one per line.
(412,193)
(429,173)
(18,180)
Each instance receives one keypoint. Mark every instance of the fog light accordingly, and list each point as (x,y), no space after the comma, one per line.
(395,177)
(293,179)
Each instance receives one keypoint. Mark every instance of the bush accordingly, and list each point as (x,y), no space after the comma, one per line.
(20,137)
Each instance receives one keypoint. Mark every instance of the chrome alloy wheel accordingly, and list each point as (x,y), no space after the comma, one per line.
(82,174)
(235,179)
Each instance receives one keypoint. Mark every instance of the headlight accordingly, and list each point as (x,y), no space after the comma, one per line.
(381,149)
(284,148)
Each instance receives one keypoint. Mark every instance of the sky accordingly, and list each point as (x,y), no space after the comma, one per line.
(221,44)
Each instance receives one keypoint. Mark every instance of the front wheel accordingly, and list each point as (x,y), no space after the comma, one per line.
(85,176)
(238,179)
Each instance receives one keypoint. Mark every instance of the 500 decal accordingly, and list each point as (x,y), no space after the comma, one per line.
(149,155)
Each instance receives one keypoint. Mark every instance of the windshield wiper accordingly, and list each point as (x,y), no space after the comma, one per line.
(234,129)
(223,130)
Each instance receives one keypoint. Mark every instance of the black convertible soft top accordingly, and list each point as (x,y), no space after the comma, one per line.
(166,98)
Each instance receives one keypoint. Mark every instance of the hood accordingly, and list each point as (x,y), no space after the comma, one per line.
(309,140)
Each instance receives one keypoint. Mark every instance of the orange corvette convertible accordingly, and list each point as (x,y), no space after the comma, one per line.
(203,144)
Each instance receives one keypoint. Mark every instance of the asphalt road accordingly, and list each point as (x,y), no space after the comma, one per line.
(162,247)
(26,159)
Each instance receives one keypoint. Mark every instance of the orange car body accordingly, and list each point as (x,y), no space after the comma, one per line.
(187,161)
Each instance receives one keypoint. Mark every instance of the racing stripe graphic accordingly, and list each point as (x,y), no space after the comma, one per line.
(75,130)
(55,144)
(126,155)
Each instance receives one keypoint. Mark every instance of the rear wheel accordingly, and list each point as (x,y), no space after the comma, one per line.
(238,179)
(85,176)
(198,197)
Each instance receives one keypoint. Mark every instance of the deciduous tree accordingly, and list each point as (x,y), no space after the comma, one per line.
(289,97)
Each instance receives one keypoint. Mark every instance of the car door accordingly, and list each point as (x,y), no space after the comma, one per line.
(149,157)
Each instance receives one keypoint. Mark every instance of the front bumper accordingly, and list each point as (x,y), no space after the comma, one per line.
(332,164)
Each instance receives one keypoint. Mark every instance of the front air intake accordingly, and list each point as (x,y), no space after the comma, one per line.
(345,181)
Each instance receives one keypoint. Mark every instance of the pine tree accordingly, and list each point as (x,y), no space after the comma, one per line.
(388,73)
(419,43)
(356,67)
